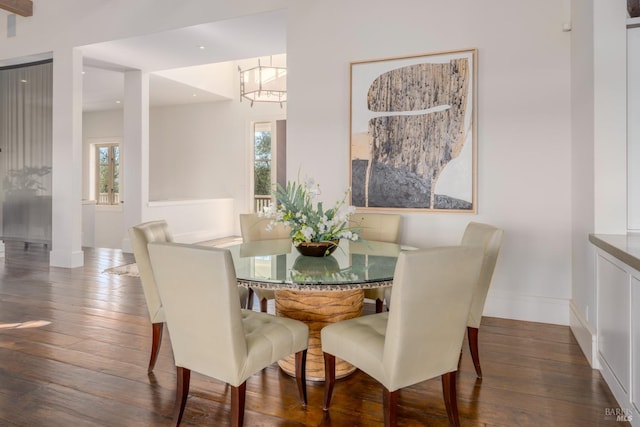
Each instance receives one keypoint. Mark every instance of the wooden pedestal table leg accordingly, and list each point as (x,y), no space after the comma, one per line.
(318,309)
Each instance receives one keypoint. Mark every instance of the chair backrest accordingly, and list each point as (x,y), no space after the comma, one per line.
(489,238)
(141,235)
(432,291)
(200,293)
(377,226)
(254,227)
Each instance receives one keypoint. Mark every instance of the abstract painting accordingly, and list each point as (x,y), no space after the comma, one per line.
(413,143)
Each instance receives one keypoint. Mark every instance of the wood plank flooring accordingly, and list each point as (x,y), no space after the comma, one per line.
(88,367)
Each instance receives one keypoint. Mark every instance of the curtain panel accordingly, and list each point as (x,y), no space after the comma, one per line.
(26,148)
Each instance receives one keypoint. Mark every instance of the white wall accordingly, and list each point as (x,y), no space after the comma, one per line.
(203,150)
(610,115)
(524,125)
(58,28)
(524,114)
(633,136)
(198,152)
(67,23)
(583,306)
(599,153)
(98,126)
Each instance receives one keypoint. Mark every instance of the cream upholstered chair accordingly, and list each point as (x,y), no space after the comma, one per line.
(490,238)
(141,235)
(420,337)
(209,332)
(382,228)
(253,228)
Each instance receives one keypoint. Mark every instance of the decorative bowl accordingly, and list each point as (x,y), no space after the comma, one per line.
(318,249)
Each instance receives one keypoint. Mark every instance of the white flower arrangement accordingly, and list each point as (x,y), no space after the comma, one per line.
(308,221)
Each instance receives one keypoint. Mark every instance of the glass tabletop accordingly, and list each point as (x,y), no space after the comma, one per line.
(276,264)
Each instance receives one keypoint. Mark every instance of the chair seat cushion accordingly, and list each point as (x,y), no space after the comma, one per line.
(269,339)
(359,340)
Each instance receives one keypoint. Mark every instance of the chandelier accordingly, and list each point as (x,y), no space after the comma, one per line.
(264,84)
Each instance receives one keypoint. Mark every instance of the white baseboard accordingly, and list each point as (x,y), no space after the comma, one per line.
(66,259)
(585,336)
(528,308)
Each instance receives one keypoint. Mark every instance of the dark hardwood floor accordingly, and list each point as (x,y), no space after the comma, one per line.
(88,367)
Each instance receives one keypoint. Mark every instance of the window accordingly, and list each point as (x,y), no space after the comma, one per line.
(107,174)
(262,165)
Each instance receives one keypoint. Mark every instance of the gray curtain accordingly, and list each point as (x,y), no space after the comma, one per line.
(25,156)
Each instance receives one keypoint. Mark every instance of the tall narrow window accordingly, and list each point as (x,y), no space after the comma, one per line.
(262,165)
(108,174)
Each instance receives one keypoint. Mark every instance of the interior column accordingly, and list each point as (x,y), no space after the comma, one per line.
(134,184)
(66,232)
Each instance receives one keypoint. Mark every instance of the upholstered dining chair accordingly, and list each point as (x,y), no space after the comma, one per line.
(490,238)
(141,235)
(210,333)
(252,228)
(420,337)
(380,227)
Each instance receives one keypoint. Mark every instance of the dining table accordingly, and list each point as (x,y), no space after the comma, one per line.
(316,290)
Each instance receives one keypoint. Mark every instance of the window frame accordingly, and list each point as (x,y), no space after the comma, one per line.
(262,126)
(113,198)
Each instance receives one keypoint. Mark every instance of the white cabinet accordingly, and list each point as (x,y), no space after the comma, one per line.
(613,320)
(635,346)
(618,332)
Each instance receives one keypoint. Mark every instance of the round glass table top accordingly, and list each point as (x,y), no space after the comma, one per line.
(277,264)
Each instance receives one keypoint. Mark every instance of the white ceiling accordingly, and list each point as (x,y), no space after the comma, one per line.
(231,40)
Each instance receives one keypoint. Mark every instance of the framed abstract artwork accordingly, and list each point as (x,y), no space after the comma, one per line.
(413,132)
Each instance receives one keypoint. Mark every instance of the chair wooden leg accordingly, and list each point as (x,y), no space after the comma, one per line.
(182,390)
(157,329)
(301,375)
(237,404)
(329,378)
(472,335)
(250,299)
(390,407)
(450,399)
(263,305)
(379,304)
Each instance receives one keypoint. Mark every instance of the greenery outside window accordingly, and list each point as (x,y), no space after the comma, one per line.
(262,165)
(107,174)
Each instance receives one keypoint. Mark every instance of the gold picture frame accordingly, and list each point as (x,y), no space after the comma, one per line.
(413,132)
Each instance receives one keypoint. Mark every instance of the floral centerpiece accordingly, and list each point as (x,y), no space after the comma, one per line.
(310,223)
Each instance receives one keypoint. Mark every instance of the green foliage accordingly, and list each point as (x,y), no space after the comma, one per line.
(262,165)
(109,171)
(309,223)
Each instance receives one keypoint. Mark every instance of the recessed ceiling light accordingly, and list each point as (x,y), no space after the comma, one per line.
(195,94)
(201,47)
(118,102)
(23,80)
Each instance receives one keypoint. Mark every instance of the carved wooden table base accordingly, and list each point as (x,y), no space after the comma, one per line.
(318,309)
